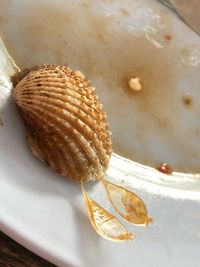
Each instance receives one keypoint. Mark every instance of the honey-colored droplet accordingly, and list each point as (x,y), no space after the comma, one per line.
(165,168)
(127,204)
(104,223)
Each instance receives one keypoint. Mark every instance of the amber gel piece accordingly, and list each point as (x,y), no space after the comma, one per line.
(127,204)
(104,223)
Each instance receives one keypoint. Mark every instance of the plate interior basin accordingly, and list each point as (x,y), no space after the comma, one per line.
(112,44)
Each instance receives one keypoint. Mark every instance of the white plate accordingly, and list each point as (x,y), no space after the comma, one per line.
(110,42)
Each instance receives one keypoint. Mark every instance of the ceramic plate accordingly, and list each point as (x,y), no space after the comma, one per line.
(111,42)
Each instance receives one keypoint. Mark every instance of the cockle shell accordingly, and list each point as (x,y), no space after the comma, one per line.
(66,125)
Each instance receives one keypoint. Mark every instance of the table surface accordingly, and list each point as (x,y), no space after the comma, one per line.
(12,254)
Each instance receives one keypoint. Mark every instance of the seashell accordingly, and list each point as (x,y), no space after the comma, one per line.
(66,125)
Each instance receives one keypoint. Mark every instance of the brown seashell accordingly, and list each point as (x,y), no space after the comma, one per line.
(66,125)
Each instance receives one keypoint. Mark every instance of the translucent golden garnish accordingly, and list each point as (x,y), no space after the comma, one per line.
(104,223)
(127,204)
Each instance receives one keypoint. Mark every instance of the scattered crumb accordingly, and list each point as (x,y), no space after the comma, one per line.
(165,168)
(168,37)
(187,100)
(135,84)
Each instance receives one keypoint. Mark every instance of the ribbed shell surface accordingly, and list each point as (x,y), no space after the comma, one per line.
(65,122)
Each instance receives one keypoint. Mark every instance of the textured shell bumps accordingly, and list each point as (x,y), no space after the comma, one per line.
(65,123)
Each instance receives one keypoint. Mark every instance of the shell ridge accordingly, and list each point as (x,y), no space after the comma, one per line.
(61,104)
(97,142)
(71,142)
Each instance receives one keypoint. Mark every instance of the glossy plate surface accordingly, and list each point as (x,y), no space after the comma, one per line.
(110,42)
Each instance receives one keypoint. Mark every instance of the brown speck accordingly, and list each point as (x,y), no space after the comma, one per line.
(187,100)
(168,37)
(165,168)
(124,12)
(39,85)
